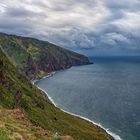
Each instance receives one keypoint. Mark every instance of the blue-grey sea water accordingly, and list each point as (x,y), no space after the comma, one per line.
(107,92)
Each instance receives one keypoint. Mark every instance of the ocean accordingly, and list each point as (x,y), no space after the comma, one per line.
(107,92)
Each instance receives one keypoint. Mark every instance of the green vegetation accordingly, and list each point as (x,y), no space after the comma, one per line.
(13,125)
(3,135)
(34,51)
(16,91)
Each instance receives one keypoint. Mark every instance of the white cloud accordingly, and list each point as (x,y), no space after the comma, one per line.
(131,21)
(114,38)
(73,23)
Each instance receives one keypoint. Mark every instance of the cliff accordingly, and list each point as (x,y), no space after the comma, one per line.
(34,58)
(18,93)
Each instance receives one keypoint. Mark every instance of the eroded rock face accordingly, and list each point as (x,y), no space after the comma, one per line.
(35,58)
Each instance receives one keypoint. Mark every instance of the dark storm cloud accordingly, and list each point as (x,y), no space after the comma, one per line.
(127,5)
(19,12)
(89,26)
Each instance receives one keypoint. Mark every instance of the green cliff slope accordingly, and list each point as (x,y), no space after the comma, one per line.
(16,91)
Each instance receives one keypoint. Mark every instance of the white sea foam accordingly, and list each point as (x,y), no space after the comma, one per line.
(115,136)
(47,76)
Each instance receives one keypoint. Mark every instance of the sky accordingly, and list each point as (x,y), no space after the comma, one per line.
(91,27)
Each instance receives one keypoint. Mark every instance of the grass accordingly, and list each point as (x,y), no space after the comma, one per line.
(3,135)
(14,126)
(34,51)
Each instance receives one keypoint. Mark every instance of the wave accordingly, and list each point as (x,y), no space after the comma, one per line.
(115,136)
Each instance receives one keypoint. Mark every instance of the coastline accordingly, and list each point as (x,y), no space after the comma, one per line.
(43,91)
(113,135)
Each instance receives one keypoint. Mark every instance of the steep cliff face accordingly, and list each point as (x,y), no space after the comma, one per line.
(35,58)
(16,91)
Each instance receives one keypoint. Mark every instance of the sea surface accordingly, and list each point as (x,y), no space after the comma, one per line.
(107,92)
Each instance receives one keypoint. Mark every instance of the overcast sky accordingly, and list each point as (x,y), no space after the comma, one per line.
(93,27)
